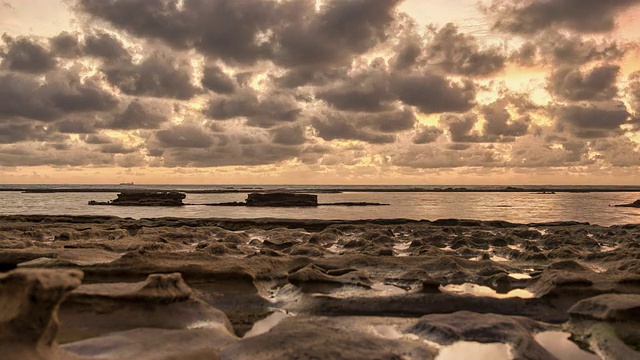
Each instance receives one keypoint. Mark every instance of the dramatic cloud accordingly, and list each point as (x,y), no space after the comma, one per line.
(459,53)
(598,84)
(354,87)
(159,75)
(433,93)
(105,46)
(368,91)
(185,136)
(137,116)
(332,35)
(592,120)
(426,135)
(27,131)
(289,135)
(271,110)
(552,47)
(61,93)
(291,33)
(377,128)
(531,16)
(216,80)
(25,55)
(66,45)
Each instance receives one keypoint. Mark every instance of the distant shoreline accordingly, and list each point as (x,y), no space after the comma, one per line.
(333,190)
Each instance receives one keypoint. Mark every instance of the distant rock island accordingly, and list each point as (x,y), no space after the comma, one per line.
(635,204)
(283,199)
(145,198)
(269,199)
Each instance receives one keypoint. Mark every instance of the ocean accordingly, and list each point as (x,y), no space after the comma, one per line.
(588,204)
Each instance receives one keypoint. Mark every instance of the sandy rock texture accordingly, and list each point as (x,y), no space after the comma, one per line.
(290,289)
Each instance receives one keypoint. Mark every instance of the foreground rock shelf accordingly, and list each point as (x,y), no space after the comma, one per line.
(290,289)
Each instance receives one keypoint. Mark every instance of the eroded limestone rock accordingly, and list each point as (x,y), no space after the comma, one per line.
(29,300)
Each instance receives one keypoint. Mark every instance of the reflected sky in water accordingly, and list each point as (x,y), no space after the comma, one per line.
(474,350)
(559,345)
(514,207)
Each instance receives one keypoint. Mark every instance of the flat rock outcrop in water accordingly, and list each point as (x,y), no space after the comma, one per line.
(145,198)
(635,204)
(282,200)
(290,289)
(277,199)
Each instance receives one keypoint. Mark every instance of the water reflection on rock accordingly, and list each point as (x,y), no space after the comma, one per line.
(559,345)
(475,350)
(478,290)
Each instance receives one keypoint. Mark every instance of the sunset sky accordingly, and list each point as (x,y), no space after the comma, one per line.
(320,92)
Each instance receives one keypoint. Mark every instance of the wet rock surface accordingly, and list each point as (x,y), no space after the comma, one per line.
(192,288)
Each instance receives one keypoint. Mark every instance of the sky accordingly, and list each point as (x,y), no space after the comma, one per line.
(320,91)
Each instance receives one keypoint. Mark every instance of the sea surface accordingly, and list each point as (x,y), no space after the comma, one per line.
(517,207)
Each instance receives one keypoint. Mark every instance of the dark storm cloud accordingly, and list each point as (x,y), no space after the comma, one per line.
(340,128)
(137,115)
(27,131)
(65,45)
(76,126)
(25,55)
(552,47)
(433,93)
(460,54)
(29,155)
(426,135)
(246,148)
(499,122)
(289,135)
(291,33)
(368,91)
(499,125)
(97,139)
(388,121)
(318,77)
(216,80)
(407,54)
(227,29)
(531,16)
(60,94)
(230,155)
(332,36)
(460,126)
(184,136)
(158,75)
(116,148)
(272,109)
(377,128)
(592,120)
(598,84)
(105,46)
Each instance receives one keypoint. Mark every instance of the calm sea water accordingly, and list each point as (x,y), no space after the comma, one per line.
(593,207)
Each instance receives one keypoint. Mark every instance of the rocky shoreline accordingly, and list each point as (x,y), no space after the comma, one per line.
(170,288)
